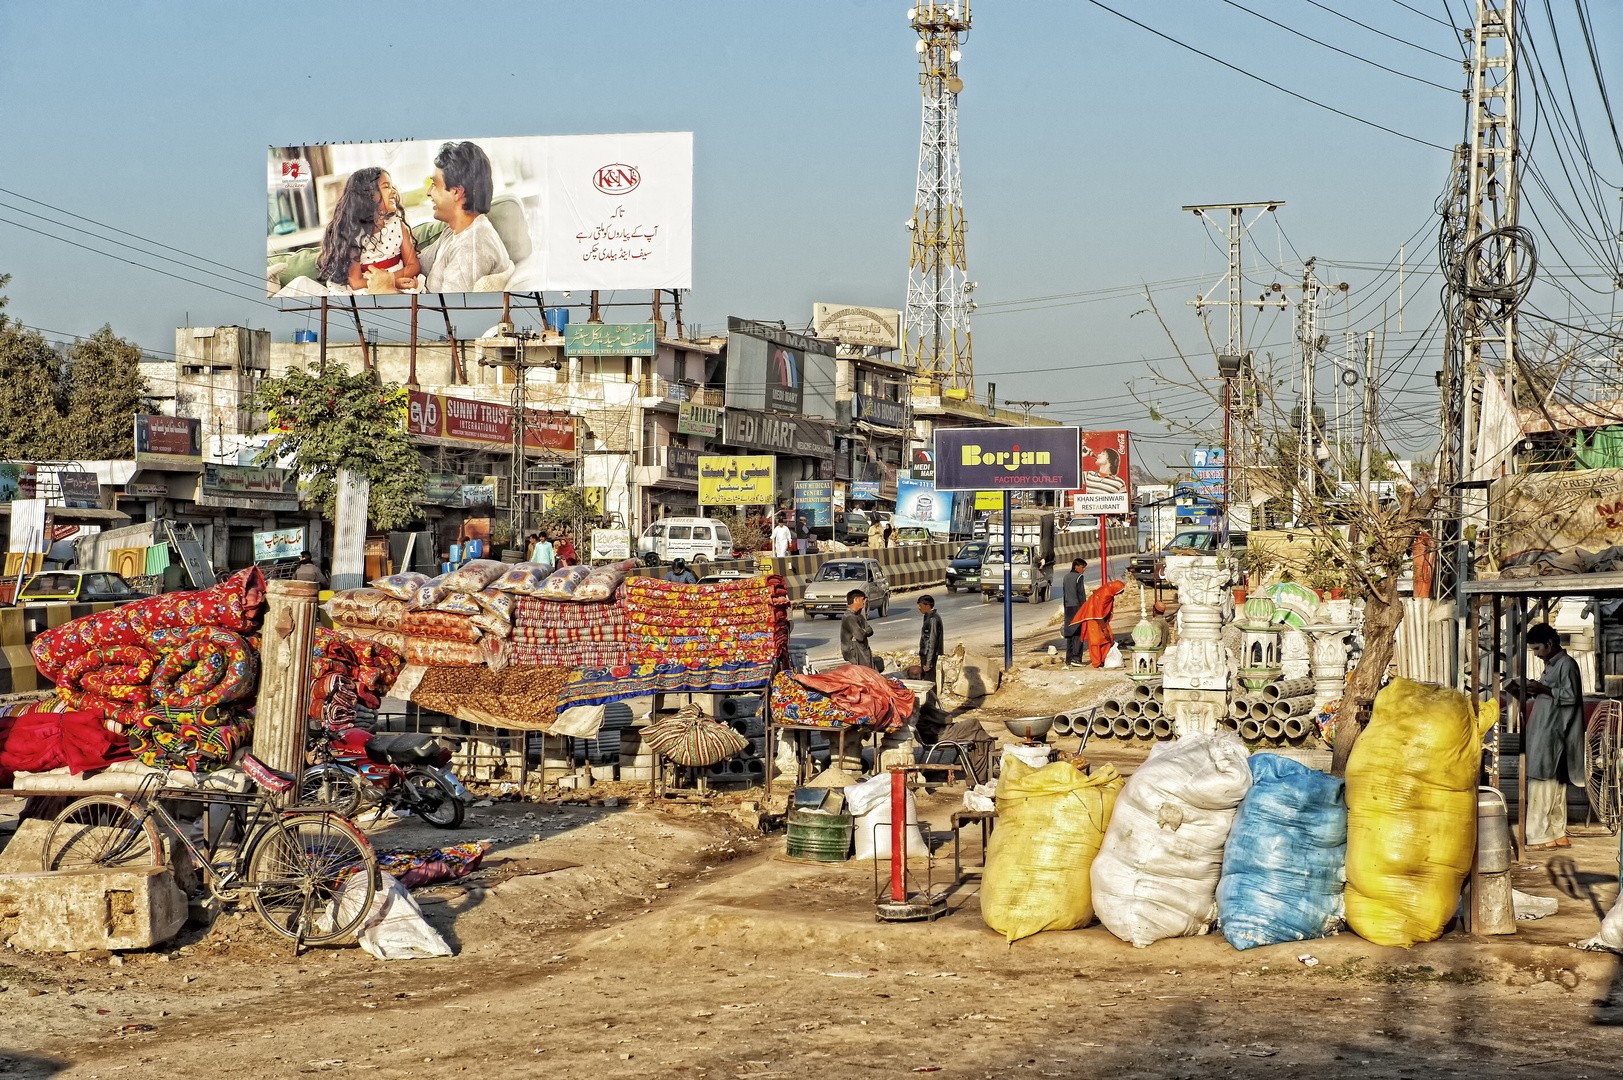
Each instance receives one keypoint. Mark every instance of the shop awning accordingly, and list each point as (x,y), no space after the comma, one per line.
(84,515)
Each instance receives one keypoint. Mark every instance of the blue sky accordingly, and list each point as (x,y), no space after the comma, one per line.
(1081,137)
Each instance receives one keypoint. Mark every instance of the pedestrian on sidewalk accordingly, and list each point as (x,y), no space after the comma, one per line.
(782,537)
(566,549)
(855,632)
(309,571)
(1554,737)
(931,637)
(544,552)
(1094,619)
(1076,594)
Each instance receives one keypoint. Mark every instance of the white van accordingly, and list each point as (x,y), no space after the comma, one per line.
(689,538)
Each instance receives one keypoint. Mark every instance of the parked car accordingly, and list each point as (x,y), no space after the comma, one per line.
(1150,566)
(77,587)
(690,538)
(964,571)
(851,527)
(912,536)
(825,593)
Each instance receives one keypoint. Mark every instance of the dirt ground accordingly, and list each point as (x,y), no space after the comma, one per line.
(671,940)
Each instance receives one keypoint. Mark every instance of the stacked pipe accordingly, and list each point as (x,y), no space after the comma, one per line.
(1279,712)
(1138,715)
(742,713)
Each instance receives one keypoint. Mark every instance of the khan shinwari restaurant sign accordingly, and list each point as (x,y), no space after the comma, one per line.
(440,416)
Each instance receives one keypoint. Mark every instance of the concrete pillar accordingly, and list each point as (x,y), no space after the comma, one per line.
(284,680)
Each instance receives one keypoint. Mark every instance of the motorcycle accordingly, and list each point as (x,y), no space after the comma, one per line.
(399,771)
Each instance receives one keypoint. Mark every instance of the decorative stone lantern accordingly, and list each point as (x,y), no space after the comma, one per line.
(1144,665)
(1259,644)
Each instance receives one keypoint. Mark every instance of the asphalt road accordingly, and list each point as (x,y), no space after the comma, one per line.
(964,617)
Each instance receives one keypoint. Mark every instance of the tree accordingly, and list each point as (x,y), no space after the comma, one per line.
(31,424)
(329,420)
(104,389)
(569,508)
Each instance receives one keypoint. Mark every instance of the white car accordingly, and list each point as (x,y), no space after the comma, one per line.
(690,538)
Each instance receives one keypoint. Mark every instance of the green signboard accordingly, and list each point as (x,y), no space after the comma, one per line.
(609,339)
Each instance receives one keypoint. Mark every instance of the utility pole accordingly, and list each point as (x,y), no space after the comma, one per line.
(1366,451)
(1027,406)
(1240,397)
(936,325)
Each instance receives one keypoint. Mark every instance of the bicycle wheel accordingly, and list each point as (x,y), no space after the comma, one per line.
(435,804)
(102,832)
(331,787)
(312,875)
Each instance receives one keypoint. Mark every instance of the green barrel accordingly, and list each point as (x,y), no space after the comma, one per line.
(819,837)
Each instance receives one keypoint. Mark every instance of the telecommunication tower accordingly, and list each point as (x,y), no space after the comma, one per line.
(936,326)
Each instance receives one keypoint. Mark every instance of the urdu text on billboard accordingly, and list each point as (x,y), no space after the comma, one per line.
(515,214)
(174,442)
(441,416)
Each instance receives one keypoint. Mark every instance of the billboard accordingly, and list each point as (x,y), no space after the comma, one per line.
(814,502)
(694,419)
(441,416)
(864,489)
(993,459)
(778,434)
(1106,486)
(278,544)
(1207,467)
(172,442)
(737,481)
(879,328)
(515,214)
(609,339)
(770,368)
(920,505)
(79,489)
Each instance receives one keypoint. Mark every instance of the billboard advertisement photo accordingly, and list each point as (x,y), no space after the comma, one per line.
(1106,486)
(995,459)
(919,505)
(512,214)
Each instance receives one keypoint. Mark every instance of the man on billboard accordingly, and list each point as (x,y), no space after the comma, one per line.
(469,249)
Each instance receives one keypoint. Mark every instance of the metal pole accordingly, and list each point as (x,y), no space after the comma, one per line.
(1104,551)
(323,349)
(898,834)
(1008,580)
(411,378)
(1228,413)
(1366,452)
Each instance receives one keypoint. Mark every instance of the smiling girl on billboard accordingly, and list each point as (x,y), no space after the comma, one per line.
(367,245)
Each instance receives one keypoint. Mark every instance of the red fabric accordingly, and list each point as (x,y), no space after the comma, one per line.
(862,691)
(35,744)
(235,604)
(87,744)
(1094,618)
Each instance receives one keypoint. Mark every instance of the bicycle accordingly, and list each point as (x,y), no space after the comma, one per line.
(296,864)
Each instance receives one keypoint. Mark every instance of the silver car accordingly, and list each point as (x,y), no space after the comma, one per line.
(825,593)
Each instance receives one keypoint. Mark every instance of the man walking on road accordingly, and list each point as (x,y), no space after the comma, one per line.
(855,632)
(931,636)
(782,537)
(1076,594)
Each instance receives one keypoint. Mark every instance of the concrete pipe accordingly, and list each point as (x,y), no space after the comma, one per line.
(1110,707)
(1296,706)
(718,769)
(1261,710)
(1122,727)
(1143,728)
(1151,708)
(1143,692)
(1132,707)
(1295,727)
(1102,727)
(740,726)
(1229,721)
(1287,688)
(1272,728)
(1162,727)
(736,765)
(1250,730)
(1061,725)
(1159,692)
(1240,708)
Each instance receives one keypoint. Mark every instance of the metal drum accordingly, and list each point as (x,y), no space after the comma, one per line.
(1494,849)
(819,837)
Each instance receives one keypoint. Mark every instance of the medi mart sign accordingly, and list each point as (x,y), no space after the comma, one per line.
(994,459)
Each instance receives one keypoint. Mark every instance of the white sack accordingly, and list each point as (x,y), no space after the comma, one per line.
(394,928)
(869,804)
(1157,871)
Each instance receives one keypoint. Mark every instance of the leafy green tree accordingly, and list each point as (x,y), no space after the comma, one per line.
(331,420)
(31,423)
(104,389)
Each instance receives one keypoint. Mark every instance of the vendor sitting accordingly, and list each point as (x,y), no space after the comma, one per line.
(680,573)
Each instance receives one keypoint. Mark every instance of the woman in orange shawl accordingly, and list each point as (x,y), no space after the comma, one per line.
(1094,619)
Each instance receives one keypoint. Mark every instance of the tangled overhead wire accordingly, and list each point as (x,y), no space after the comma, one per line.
(1478,278)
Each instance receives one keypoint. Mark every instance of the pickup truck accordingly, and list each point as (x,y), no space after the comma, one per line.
(1149,566)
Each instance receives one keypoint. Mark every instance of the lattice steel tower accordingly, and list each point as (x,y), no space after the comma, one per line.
(936,331)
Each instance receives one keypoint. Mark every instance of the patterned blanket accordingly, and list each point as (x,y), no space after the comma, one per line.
(602,686)
(793,703)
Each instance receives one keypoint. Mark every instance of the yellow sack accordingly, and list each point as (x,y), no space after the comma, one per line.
(1411,812)
(1050,822)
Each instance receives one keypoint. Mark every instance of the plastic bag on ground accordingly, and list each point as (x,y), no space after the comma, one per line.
(1411,812)
(1610,937)
(1285,859)
(394,928)
(869,804)
(1050,823)
(1113,657)
(1157,871)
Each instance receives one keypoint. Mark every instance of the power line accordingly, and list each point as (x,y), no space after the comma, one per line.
(1265,82)
(1382,33)
(1335,49)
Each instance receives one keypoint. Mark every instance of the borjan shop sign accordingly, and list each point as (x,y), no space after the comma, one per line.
(469,420)
(993,459)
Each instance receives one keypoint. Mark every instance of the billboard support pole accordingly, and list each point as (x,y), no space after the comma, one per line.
(411,375)
(507,307)
(450,335)
(1104,552)
(1008,579)
(323,349)
(360,332)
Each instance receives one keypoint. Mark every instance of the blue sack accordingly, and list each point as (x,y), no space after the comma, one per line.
(1284,865)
